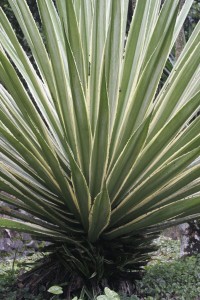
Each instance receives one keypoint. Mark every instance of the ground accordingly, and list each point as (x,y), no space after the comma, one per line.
(167,276)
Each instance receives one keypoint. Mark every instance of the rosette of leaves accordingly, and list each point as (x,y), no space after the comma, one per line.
(93,161)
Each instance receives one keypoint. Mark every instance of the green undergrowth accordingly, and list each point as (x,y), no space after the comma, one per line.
(10,269)
(178,279)
(167,277)
(170,277)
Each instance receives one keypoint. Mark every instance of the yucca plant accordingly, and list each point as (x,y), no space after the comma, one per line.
(93,161)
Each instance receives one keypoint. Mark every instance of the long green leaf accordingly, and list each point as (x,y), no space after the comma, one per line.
(99,157)
(33,81)
(149,156)
(143,95)
(35,230)
(81,189)
(99,215)
(83,130)
(99,35)
(57,52)
(71,30)
(174,210)
(114,52)
(158,180)
(127,158)
(174,94)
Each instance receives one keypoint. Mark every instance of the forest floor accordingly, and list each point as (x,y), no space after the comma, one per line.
(167,276)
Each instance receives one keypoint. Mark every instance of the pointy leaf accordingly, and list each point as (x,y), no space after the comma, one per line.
(99,215)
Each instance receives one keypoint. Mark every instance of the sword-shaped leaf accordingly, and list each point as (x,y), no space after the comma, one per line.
(99,156)
(99,215)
